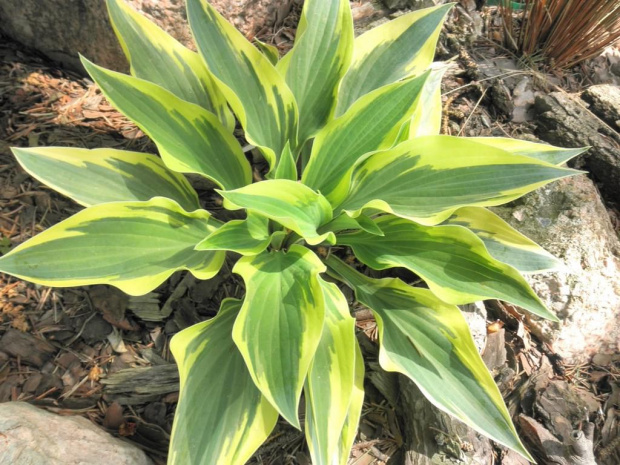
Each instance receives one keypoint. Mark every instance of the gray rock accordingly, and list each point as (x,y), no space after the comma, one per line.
(569,220)
(497,71)
(565,121)
(61,29)
(476,316)
(31,436)
(604,102)
(523,97)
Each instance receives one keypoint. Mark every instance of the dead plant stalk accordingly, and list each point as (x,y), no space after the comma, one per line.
(564,32)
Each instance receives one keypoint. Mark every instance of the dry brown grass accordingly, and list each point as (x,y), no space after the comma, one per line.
(563,32)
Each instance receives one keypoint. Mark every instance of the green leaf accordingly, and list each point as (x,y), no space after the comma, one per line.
(287,168)
(290,203)
(155,56)
(134,246)
(503,242)
(190,138)
(280,324)
(426,119)
(388,53)
(270,51)
(318,61)
(253,87)
(368,126)
(349,430)
(330,383)
(345,222)
(547,153)
(428,178)
(247,237)
(451,259)
(221,417)
(429,341)
(98,176)
(367,224)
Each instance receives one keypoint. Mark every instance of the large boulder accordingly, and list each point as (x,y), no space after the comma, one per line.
(29,435)
(565,121)
(60,29)
(568,219)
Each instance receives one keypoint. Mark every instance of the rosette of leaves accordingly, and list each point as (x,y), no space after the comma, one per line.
(349,129)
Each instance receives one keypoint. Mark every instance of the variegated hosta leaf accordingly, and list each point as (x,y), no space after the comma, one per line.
(270,51)
(429,341)
(134,246)
(503,242)
(345,222)
(349,430)
(280,324)
(247,237)
(155,56)
(287,167)
(253,87)
(426,119)
(290,203)
(548,153)
(318,61)
(98,176)
(390,52)
(190,139)
(368,126)
(330,383)
(221,417)
(428,178)
(451,259)
(367,224)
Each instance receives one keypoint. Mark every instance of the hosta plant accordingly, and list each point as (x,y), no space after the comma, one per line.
(347,130)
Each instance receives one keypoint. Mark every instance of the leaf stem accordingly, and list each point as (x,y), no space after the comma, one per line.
(291,239)
(339,270)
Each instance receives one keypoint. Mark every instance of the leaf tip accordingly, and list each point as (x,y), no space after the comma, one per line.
(20,151)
